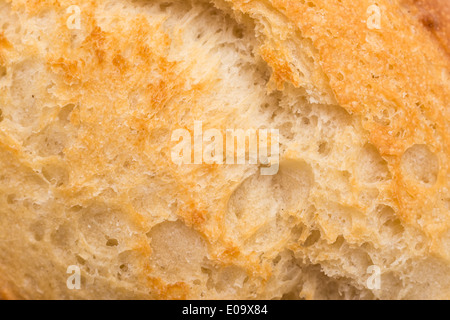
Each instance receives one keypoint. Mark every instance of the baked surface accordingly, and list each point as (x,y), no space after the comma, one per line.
(434,15)
(86,176)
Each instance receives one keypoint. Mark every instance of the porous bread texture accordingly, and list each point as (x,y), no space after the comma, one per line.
(86,176)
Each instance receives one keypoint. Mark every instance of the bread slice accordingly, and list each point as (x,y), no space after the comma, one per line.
(90,97)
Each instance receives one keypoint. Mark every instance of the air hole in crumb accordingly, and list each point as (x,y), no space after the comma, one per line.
(206,271)
(312,239)
(324,148)
(371,166)
(112,243)
(64,114)
(390,222)
(422,164)
(10,199)
(277,260)
(76,208)
(124,267)
(177,250)
(80,260)
(127,164)
(38,230)
(238,32)
(395,226)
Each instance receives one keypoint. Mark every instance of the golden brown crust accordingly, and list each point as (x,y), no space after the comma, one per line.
(435,16)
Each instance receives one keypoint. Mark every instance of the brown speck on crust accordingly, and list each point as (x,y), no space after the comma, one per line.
(430,23)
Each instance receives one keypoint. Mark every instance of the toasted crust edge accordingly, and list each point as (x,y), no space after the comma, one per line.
(434,15)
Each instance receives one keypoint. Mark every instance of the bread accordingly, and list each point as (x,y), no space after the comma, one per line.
(358,90)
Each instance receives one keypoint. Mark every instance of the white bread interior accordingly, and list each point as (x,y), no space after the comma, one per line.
(86,176)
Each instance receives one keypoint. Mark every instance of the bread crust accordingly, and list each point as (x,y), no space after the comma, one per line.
(435,17)
(395,80)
